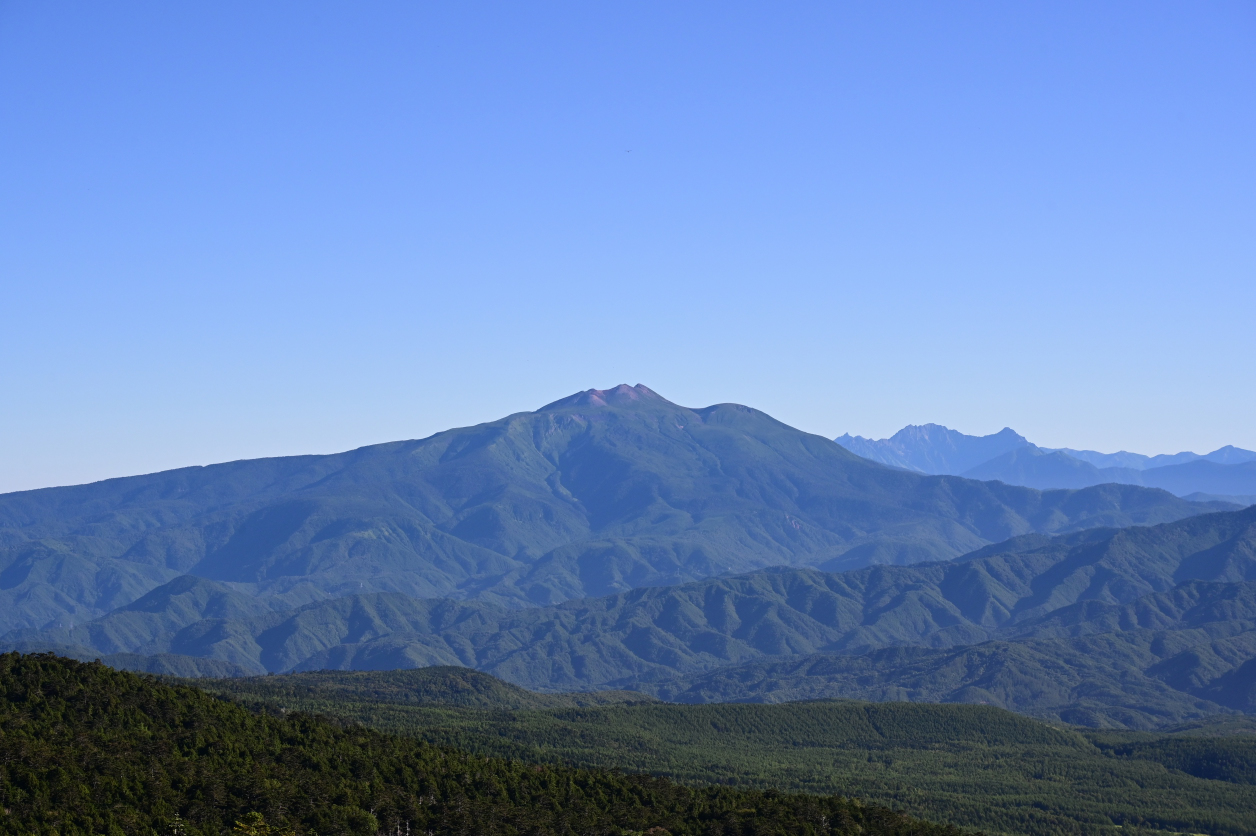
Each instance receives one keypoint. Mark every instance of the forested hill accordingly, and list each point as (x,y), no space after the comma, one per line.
(969,765)
(596,494)
(87,750)
(440,685)
(1139,626)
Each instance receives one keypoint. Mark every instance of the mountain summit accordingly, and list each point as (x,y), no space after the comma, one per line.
(621,395)
(598,493)
(933,448)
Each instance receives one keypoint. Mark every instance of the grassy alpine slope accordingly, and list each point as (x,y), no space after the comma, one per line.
(974,766)
(592,495)
(86,750)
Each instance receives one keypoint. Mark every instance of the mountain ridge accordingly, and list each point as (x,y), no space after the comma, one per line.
(1173,605)
(599,492)
(1008,457)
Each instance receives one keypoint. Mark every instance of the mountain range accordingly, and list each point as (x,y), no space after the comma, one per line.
(1136,627)
(1227,474)
(597,493)
(615,540)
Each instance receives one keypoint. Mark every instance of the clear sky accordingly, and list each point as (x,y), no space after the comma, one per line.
(237,229)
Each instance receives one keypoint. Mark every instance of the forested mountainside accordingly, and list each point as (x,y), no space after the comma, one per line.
(1140,680)
(86,750)
(595,494)
(1136,626)
(443,685)
(1092,644)
(969,765)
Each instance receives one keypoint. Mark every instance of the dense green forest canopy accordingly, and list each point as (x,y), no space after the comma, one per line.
(443,685)
(85,749)
(970,765)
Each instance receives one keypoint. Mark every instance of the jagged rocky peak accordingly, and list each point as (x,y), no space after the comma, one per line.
(621,395)
(937,432)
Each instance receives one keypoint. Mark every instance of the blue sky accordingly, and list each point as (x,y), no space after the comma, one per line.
(231,230)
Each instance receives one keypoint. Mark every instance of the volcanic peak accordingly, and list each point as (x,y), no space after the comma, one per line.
(621,395)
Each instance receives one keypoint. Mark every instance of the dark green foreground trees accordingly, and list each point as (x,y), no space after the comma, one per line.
(85,749)
(969,765)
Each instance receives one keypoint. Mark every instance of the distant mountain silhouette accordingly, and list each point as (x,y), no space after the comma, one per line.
(1204,476)
(598,493)
(1226,474)
(1035,467)
(934,449)
(1223,455)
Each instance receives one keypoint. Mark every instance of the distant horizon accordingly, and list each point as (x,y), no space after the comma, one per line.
(1022,435)
(235,230)
(490,420)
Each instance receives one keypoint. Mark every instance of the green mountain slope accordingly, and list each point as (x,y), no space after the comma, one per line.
(1138,680)
(1087,636)
(87,750)
(975,766)
(432,686)
(1177,577)
(595,494)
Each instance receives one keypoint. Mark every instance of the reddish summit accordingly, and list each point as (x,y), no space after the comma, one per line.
(621,395)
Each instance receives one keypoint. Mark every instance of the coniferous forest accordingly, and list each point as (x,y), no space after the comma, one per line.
(975,766)
(89,750)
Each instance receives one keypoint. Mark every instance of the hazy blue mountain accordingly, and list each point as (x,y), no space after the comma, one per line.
(1203,477)
(934,449)
(1123,459)
(1035,467)
(1230,454)
(1227,474)
(597,493)
(1224,455)
(1042,469)
(1241,500)
(1187,587)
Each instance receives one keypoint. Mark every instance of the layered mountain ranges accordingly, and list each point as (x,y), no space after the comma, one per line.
(1227,474)
(1137,627)
(609,540)
(595,494)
